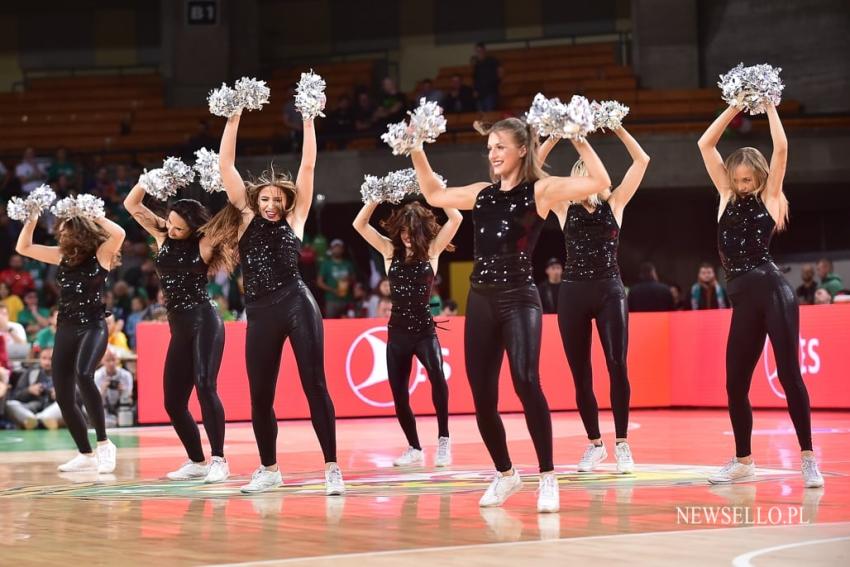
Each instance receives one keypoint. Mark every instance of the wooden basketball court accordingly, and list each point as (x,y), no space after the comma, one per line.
(664,514)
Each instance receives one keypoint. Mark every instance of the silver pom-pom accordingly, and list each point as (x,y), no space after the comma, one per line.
(372,189)
(177,173)
(251,93)
(551,117)
(426,124)
(393,187)
(224,101)
(209,172)
(579,119)
(310,95)
(85,206)
(38,201)
(608,114)
(399,137)
(750,89)
(156,185)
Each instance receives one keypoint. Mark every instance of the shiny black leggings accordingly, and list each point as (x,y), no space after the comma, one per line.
(499,320)
(764,304)
(193,361)
(578,304)
(290,312)
(77,352)
(401,348)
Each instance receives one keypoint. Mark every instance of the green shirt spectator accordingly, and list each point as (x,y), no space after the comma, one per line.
(33,317)
(62,166)
(45,338)
(829,280)
(336,278)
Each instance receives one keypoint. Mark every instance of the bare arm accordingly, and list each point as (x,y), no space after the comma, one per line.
(438,196)
(152,223)
(107,251)
(378,241)
(447,232)
(552,190)
(547,146)
(233,184)
(711,157)
(631,181)
(779,159)
(25,247)
(304,181)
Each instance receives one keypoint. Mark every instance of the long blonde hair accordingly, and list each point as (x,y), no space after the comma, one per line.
(580,170)
(523,135)
(754,159)
(223,228)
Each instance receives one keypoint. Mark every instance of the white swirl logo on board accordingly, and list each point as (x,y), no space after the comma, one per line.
(810,363)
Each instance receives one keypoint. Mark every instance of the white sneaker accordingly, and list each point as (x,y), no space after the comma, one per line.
(80,463)
(189,470)
(334,485)
(593,455)
(500,489)
(734,471)
(106,453)
(219,470)
(623,454)
(444,452)
(811,475)
(410,457)
(548,496)
(262,480)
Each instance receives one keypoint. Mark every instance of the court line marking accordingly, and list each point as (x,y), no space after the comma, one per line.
(409,551)
(743,560)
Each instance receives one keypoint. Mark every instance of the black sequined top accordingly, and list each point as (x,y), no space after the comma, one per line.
(269,253)
(592,239)
(182,273)
(410,292)
(743,235)
(81,289)
(506,227)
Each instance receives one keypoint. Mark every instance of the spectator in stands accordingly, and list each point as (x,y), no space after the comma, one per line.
(364,112)
(336,278)
(487,74)
(293,122)
(33,401)
(806,290)
(385,308)
(460,97)
(449,308)
(19,280)
(138,306)
(427,91)
(123,182)
(29,172)
(117,339)
(14,304)
(5,390)
(33,317)
(47,336)
(4,176)
(62,165)
(340,123)
(829,280)
(550,287)
(649,294)
(115,385)
(13,333)
(121,300)
(102,185)
(63,187)
(392,104)
(224,308)
(822,296)
(679,302)
(707,293)
(381,291)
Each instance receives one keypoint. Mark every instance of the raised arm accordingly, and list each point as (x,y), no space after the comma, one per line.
(547,146)
(233,184)
(304,181)
(25,247)
(378,241)
(779,158)
(435,194)
(447,232)
(711,157)
(631,181)
(552,190)
(107,251)
(146,218)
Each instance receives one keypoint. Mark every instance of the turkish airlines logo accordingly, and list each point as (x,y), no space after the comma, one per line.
(809,363)
(366,368)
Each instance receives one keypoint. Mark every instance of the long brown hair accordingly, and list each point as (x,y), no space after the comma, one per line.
(523,135)
(421,226)
(754,159)
(79,239)
(223,229)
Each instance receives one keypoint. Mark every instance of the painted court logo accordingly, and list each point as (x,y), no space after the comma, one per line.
(366,368)
(810,363)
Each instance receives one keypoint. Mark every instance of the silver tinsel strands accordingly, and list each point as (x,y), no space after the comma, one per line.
(85,206)
(38,201)
(163,182)
(393,187)
(310,95)
(251,93)
(579,122)
(551,117)
(209,172)
(749,89)
(177,173)
(426,124)
(372,189)
(224,101)
(399,137)
(608,114)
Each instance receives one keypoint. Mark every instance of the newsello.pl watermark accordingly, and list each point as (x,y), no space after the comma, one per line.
(740,515)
